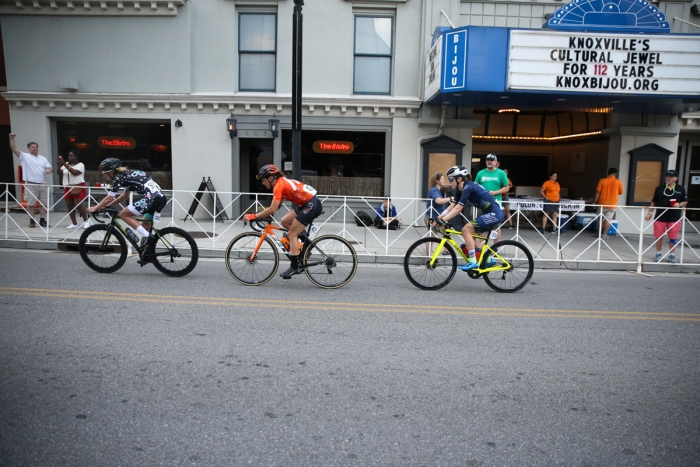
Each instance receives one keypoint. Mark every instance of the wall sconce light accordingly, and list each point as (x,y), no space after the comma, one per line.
(695,10)
(231,126)
(178,123)
(274,126)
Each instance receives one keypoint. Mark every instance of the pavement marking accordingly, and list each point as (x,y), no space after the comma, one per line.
(343,306)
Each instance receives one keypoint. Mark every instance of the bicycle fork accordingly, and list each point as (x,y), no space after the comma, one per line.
(436,253)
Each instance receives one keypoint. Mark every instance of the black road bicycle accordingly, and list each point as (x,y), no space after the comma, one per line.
(431,262)
(252,258)
(103,247)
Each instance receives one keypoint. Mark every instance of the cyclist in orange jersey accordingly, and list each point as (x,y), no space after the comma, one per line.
(307,208)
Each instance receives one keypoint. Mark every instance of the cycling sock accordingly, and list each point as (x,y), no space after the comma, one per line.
(295,262)
(472,254)
(472,257)
(142,231)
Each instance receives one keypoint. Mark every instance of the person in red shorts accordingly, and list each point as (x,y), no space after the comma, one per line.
(307,208)
(74,187)
(668,198)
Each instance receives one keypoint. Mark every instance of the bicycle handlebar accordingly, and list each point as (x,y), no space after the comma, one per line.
(111,211)
(259,224)
(439,222)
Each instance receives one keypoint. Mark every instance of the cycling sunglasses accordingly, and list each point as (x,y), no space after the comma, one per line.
(450,179)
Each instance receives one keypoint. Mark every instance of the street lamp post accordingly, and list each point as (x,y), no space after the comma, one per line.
(296,89)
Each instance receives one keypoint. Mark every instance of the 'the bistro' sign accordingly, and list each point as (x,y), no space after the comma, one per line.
(599,63)
(116,142)
(333,147)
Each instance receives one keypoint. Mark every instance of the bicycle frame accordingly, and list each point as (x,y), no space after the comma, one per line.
(114,222)
(269,230)
(447,238)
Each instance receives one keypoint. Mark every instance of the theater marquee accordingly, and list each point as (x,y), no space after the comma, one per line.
(604,63)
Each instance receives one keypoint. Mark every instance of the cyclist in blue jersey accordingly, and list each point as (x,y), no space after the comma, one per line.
(473,194)
(152,197)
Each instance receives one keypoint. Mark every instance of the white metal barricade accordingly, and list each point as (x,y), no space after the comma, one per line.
(633,247)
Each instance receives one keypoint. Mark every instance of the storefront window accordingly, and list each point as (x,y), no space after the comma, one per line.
(144,146)
(348,163)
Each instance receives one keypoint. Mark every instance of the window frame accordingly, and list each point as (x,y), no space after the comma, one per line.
(241,52)
(390,56)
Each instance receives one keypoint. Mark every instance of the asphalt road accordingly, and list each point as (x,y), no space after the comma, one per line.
(135,368)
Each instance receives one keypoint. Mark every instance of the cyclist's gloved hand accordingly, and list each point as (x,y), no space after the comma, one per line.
(249,217)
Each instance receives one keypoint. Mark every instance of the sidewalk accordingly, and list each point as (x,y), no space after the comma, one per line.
(574,249)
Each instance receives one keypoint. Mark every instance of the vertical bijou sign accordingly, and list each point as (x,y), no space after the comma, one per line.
(455,60)
(604,63)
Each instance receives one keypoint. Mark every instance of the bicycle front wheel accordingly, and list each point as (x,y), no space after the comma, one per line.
(246,268)
(518,263)
(419,270)
(102,249)
(176,252)
(330,262)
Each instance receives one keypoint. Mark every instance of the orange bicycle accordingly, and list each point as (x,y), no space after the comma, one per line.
(252,258)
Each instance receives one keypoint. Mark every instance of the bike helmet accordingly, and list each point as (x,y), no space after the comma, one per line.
(110,164)
(267,170)
(457,171)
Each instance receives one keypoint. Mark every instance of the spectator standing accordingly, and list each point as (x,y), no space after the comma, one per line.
(74,187)
(34,170)
(550,192)
(609,188)
(435,204)
(673,196)
(494,180)
(386,216)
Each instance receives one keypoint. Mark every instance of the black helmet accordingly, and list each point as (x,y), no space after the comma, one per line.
(457,171)
(110,164)
(267,170)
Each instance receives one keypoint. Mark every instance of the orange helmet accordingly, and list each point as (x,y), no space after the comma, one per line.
(267,170)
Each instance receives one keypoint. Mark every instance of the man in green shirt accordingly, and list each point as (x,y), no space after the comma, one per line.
(494,180)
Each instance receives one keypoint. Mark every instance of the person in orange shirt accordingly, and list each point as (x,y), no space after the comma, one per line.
(550,192)
(307,208)
(609,188)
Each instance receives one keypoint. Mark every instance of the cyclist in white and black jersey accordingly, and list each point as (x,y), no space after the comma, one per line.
(152,197)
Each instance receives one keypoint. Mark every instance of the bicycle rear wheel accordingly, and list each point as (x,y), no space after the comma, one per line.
(330,262)
(102,249)
(420,271)
(514,277)
(245,268)
(176,252)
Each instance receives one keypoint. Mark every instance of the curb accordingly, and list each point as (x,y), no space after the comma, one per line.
(651,267)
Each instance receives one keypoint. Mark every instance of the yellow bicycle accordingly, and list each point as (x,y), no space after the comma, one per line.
(431,262)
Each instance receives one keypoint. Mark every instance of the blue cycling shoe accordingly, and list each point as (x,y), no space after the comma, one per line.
(468,266)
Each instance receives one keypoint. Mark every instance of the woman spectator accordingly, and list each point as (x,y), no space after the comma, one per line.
(74,187)
(436,199)
(550,192)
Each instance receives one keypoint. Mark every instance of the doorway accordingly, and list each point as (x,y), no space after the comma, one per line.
(255,152)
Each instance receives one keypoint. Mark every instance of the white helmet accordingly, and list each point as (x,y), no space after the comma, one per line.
(457,171)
